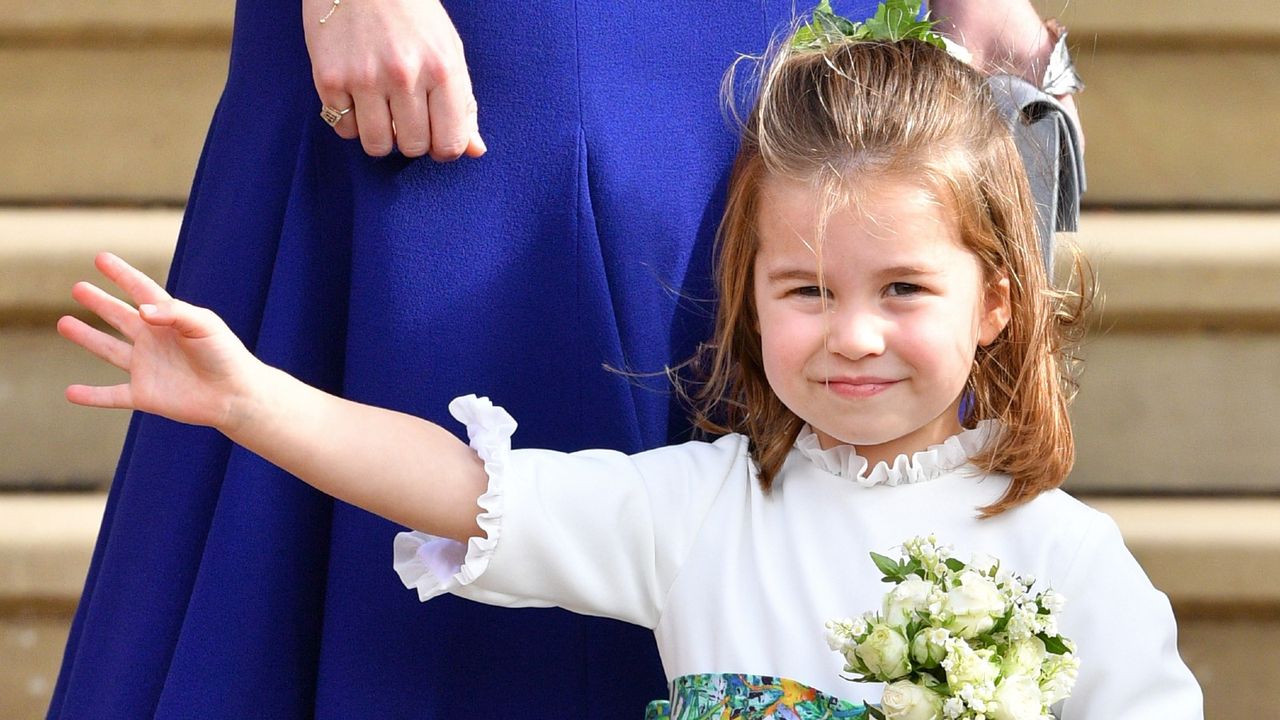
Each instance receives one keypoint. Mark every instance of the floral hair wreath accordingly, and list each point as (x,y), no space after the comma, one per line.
(893,20)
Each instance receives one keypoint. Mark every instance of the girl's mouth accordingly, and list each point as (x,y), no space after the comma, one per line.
(858,387)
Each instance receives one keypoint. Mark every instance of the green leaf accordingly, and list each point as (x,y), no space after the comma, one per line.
(887,565)
(893,20)
(875,712)
(1054,644)
(955,565)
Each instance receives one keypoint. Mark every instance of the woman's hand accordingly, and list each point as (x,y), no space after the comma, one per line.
(1004,36)
(183,361)
(399,64)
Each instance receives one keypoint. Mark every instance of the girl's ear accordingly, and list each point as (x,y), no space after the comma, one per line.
(995,311)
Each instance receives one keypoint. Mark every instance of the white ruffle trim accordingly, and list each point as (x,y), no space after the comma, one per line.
(435,565)
(932,462)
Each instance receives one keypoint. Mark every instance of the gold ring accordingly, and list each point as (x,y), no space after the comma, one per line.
(332,115)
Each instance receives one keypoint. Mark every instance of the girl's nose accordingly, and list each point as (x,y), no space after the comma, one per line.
(856,333)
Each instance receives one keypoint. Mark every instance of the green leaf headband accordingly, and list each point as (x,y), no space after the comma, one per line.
(894,20)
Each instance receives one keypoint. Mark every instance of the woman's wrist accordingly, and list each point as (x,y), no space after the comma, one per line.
(1004,36)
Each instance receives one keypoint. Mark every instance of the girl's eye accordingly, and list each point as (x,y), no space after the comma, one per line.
(900,289)
(812,291)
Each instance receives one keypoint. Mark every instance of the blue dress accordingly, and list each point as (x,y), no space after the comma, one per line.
(220,586)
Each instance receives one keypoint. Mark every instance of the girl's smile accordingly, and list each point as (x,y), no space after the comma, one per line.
(869,332)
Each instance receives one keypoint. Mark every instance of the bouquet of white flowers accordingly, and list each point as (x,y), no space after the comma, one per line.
(958,641)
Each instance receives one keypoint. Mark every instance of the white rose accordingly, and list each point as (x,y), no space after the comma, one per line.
(904,700)
(1017,698)
(884,652)
(905,599)
(974,605)
(1024,657)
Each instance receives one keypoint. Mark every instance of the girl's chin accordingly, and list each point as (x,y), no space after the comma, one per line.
(857,439)
(895,441)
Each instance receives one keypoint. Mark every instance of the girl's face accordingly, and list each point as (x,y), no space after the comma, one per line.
(876,355)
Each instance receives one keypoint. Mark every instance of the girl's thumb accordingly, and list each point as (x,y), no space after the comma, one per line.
(188,320)
(156,315)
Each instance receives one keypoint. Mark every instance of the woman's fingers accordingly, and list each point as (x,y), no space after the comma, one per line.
(135,283)
(476,147)
(412,126)
(331,87)
(112,349)
(374,120)
(453,119)
(347,127)
(111,396)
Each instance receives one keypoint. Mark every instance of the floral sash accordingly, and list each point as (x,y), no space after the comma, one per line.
(719,696)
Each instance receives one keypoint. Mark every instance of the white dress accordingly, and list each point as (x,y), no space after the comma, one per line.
(682,540)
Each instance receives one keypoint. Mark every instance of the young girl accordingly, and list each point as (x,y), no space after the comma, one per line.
(888,363)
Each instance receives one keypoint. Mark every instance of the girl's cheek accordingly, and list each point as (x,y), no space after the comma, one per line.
(930,339)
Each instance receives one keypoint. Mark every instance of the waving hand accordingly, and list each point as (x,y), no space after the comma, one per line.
(183,361)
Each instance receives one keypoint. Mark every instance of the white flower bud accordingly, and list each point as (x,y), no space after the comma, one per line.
(1052,601)
(884,652)
(1059,677)
(929,647)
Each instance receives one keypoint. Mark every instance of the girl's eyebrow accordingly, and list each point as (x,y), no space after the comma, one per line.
(910,270)
(791,274)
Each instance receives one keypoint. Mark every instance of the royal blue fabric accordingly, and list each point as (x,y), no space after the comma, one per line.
(221,587)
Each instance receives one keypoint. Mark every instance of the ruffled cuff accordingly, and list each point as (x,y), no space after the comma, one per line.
(434,565)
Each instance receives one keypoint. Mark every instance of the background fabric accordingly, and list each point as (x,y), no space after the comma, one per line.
(221,587)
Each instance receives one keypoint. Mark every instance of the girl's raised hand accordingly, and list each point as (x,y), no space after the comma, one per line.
(183,361)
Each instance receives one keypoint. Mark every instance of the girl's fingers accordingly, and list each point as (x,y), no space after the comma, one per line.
(112,396)
(135,283)
(118,314)
(113,350)
(186,319)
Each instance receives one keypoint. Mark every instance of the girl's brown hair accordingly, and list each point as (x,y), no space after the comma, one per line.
(855,112)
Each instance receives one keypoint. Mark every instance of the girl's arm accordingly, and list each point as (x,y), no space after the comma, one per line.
(185,363)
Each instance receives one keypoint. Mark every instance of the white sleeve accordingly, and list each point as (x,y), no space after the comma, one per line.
(597,532)
(1125,636)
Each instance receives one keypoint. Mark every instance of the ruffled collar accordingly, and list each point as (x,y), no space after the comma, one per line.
(932,462)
